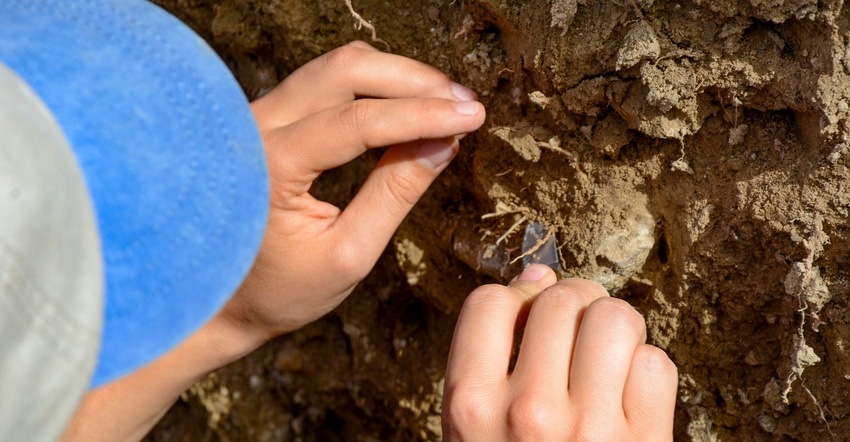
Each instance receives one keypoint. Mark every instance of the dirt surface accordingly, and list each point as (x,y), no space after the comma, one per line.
(691,156)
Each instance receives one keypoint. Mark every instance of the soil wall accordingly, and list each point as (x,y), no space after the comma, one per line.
(691,156)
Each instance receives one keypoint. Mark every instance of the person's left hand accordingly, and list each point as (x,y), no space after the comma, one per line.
(322,116)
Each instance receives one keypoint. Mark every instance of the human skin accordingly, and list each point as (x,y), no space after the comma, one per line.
(583,373)
(313,254)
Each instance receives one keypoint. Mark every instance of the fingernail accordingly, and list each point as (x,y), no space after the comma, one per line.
(467,107)
(435,153)
(533,273)
(462,92)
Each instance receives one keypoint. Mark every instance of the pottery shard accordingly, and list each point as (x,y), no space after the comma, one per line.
(641,44)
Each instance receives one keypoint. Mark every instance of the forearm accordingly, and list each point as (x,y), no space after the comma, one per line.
(128,408)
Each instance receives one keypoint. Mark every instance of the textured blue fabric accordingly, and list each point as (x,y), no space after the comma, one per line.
(171,156)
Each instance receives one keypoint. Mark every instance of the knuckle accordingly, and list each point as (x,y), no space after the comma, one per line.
(356,114)
(348,261)
(404,189)
(467,407)
(430,78)
(489,296)
(588,430)
(587,287)
(561,297)
(656,360)
(342,58)
(618,313)
(530,417)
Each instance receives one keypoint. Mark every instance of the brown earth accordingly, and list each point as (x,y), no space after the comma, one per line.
(691,156)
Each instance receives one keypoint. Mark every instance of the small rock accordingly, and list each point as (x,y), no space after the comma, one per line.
(681,165)
(411,258)
(563,12)
(539,99)
(737,134)
(806,283)
(625,244)
(641,44)
(767,423)
(837,152)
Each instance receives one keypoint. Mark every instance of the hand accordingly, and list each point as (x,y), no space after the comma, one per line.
(322,116)
(583,370)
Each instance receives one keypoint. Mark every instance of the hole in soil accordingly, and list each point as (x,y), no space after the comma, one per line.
(663,249)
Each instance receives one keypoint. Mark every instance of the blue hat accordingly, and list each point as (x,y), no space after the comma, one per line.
(170,154)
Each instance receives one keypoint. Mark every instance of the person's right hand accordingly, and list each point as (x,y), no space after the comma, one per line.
(583,370)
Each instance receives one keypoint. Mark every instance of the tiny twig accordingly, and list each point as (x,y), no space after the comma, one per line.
(362,23)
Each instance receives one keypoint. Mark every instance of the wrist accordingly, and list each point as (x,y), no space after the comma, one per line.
(223,340)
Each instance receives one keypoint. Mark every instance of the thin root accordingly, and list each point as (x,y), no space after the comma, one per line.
(516,225)
(571,156)
(560,150)
(533,249)
(362,23)
(637,10)
(496,128)
(504,209)
(820,409)
(495,214)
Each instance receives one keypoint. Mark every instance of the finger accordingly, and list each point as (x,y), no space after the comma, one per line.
(401,177)
(608,334)
(484,335)
(649,397)
(298,153)
(549,337)
(350,72)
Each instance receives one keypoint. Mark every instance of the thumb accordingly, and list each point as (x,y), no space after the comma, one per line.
(401,177)
(533,280)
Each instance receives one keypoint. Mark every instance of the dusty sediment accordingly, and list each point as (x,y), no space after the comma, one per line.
(690,156)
